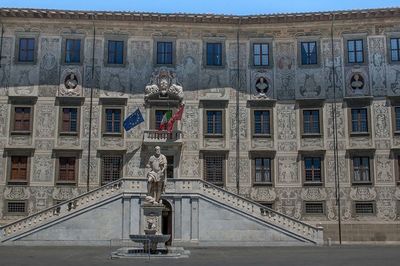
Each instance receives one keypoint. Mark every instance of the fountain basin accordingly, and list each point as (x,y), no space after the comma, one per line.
(150,241)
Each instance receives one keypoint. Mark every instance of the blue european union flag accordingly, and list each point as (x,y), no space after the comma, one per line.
(133,120)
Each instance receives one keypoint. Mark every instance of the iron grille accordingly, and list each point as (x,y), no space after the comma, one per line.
(16,207)
(364,208)
(214,169)
(112,165)
(314,207)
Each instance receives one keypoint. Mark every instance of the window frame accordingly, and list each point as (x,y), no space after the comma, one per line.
(314,214)
(373,203)
(260,55)
(207,41)
(113,154)
(205,121)
(13,116)
(394,123)
(104,120)
(23,35)
(353,37)
(173,45)
(389,36)
(66,37)
(397,50)
(115,38)
(396,157)
(253,123)
(58,181)
(350,121)
(62,132)
(361,154)
(321,157)
(309,55)
(21,182)
(310,39)
(7,213)
(262,155)
(320,122)
(224,156)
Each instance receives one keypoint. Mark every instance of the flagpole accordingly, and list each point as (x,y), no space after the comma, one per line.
(91,109)
(237,112)
(335,136)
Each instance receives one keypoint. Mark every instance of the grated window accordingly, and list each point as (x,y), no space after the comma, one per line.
(314,208)
(364,208)
(111,166)
(214,169)
(16,207)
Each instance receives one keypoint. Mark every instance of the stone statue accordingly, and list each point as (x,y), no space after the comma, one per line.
(156,177)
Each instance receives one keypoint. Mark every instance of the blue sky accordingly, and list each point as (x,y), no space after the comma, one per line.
(239,7)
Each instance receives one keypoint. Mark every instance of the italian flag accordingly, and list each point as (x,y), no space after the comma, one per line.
(164,122)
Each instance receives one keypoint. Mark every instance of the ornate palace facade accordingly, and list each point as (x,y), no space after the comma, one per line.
(259,94)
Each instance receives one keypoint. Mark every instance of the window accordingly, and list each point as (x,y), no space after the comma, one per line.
(111,168)
(113,120)
(115,52)
(397,119)
(16,207)
(260,54)
(364,208)
(308,53)
(72,51)
(159,117)
(22,119)
(269,205)
(398,169)
(395,49)
(359,120)
(69,120)
(26,50)
(314,207)
(361,170)
(355,51)
(67,169)
(170,167)
(312,169)
(311,122)
(214,169)
(262,170)
(214,54)
(19,170)
(262,122)
(164,53)
(214,123)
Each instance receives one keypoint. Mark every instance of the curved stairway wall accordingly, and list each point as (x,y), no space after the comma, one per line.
(202,215)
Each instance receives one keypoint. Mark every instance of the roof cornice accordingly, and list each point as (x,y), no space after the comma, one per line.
(199,18)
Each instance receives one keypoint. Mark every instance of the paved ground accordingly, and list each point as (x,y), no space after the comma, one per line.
(293,256)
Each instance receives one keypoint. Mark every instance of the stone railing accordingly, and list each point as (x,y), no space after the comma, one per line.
(304,231)
(162,136)
(301,230)
(63,209)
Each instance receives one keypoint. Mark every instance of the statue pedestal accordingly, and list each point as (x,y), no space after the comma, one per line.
(152,218)
(152,238)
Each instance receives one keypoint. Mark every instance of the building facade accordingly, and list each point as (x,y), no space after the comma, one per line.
(259,117)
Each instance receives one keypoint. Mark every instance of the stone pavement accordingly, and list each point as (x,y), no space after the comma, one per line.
(293,256)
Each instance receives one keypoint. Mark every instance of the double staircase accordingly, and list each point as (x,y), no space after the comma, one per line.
(125,187)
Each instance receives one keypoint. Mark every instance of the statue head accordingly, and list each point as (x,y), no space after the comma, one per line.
(157,150)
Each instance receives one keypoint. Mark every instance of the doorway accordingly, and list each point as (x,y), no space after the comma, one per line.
(170,167)
(167,221)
